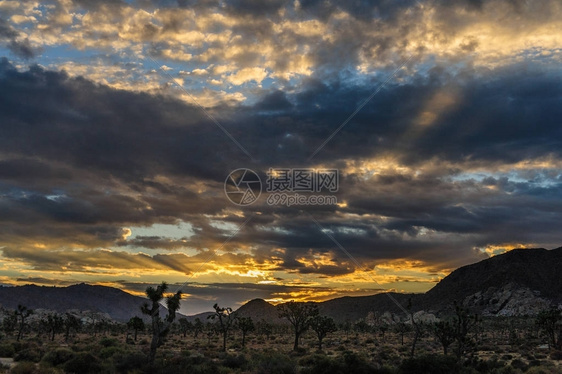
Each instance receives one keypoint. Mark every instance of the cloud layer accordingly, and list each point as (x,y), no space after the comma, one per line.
(114,152)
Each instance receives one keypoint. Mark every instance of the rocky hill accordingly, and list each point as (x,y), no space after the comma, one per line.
(521,281)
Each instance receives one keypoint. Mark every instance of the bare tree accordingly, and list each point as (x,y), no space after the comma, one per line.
(299,315)
(160,328)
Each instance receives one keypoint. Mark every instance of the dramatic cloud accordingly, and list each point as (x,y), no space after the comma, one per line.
(117,138)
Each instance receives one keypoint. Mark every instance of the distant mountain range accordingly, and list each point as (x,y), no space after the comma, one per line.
(117,304)
(519,282)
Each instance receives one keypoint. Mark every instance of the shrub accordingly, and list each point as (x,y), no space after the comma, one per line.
(58,356)
(556,355)
(318,364)
(25,368)
(350,362)
(109,342)
(429,364)
(355,363)
(7,350)
(83,363)
(29,354)
(235,362)
(485,366)
(125,363)
(518,364)
(542,370)
(108,352)
(273,363)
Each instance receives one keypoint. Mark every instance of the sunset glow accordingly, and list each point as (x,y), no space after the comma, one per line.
(121,120)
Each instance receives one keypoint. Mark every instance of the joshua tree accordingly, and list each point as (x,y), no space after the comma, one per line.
(463,324)
(54,324)
(416,326)
(401,328)
(71,323)
(226,319)
(445,333)
(322,325)
(211,330)
(245,324)
(185,326)
(9,323)
(197,327)
(346,326)
(299,315)
(137,324)
(383,329)
(362,326)
(550,323)
(264,328)
(160,328)
(21,314)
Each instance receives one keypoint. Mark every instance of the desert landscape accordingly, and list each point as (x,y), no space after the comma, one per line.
(511,324)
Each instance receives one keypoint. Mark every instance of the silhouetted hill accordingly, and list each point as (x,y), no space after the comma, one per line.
(119,305)
(538,270)
(258,309)
(353,308)
(202,316)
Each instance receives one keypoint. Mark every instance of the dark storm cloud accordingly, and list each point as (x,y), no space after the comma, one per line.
(90,159)
(510,117)
(21,170)
(117,133)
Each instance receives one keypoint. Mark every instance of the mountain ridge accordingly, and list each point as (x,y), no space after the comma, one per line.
(521,281)
(116,303)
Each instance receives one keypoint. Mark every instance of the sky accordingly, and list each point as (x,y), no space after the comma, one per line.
(126,128)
